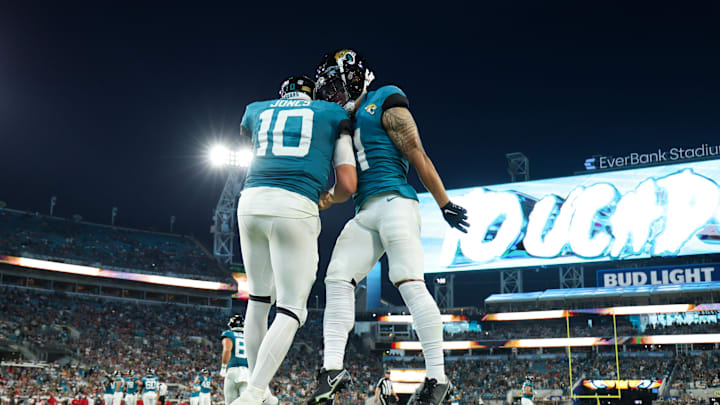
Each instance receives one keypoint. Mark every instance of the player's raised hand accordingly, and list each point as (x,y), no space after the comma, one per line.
(326,200)
(455,215)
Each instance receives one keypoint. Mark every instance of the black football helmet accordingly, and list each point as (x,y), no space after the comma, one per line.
(236,322)
(353,70)
(297,84)
(204,372)
(150,371)
(331,87)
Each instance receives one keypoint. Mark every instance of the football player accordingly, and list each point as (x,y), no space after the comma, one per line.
(150,386)
(387,220)
(119,384)
(234,366)
(205,386)
(108,389)
(131,388)
(527,391)
(194,392)
(295,139)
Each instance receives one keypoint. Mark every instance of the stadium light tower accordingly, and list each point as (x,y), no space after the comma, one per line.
(224,227)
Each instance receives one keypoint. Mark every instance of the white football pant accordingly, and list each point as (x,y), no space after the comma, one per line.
(387,222)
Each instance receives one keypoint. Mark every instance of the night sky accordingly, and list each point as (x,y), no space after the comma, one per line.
(115,105)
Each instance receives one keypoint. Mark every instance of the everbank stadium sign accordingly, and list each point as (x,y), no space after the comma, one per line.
(659,211)
(659,156)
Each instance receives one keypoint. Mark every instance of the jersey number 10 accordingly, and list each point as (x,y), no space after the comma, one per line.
(278,149)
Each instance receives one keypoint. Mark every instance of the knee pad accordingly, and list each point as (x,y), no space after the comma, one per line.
(299,314)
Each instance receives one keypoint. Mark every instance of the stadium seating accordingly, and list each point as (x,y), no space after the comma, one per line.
(32,235)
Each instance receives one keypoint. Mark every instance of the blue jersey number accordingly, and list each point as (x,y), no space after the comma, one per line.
(278,149)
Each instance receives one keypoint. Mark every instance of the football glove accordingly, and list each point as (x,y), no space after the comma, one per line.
(455,215)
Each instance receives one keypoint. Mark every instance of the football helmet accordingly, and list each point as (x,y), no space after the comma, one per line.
(353,70)
(204,371)
(331,87)
(529,377)
(236,323)
(150,371)
(131,373)
(297,84)
(116,373)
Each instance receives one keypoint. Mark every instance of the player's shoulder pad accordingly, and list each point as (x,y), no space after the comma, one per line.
(392,96)
(227,334)
(330,106)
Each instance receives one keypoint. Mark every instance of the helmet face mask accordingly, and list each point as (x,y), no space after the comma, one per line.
(331,87)
(353,70)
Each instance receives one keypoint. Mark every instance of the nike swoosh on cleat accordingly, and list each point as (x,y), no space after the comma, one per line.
(391,198)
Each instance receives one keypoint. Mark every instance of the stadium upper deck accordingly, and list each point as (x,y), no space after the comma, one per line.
(25,234)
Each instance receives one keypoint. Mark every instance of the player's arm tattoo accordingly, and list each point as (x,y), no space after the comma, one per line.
(402,130)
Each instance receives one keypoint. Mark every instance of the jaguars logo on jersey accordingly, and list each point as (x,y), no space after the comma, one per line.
(371,109)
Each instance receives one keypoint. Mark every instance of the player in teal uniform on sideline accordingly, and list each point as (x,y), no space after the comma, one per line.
(206,385)
(387,220)
(194,392)
(131,388)
(295,140)
(108,389)
(119,382)
(527,391)
(150,385)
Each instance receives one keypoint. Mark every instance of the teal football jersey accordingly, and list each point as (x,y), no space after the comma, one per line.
(526,384)
(194,393)
(380,165)
(108,386)
(150,383)
(293,143)
(238,358)
(130,385)
(205,385)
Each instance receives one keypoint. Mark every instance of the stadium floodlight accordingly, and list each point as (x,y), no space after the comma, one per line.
(221,156)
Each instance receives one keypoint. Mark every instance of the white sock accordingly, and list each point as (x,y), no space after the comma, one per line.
(428,326)
(339,319)
(273,350)
(256,320)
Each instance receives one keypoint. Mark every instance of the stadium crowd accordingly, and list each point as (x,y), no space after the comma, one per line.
(34,235)
(100,336)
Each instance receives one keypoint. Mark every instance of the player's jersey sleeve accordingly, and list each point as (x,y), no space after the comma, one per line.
(246,124)
(392,96)
(227,334)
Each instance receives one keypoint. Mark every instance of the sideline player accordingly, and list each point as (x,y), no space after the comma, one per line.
(131,388)
(206,385)
(194,392)
(108,390)
(295,139)
(527,391)
(386,141)
(150,385)
(119,385)
(234,360)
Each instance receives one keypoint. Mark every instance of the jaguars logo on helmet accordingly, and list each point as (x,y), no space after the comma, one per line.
(236,323)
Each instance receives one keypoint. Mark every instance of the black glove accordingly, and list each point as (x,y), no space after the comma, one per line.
(455,215)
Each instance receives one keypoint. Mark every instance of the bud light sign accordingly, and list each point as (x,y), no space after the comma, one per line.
(659,275)
(660,211)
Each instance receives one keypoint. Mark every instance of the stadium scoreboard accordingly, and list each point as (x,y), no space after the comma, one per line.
(660,211)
